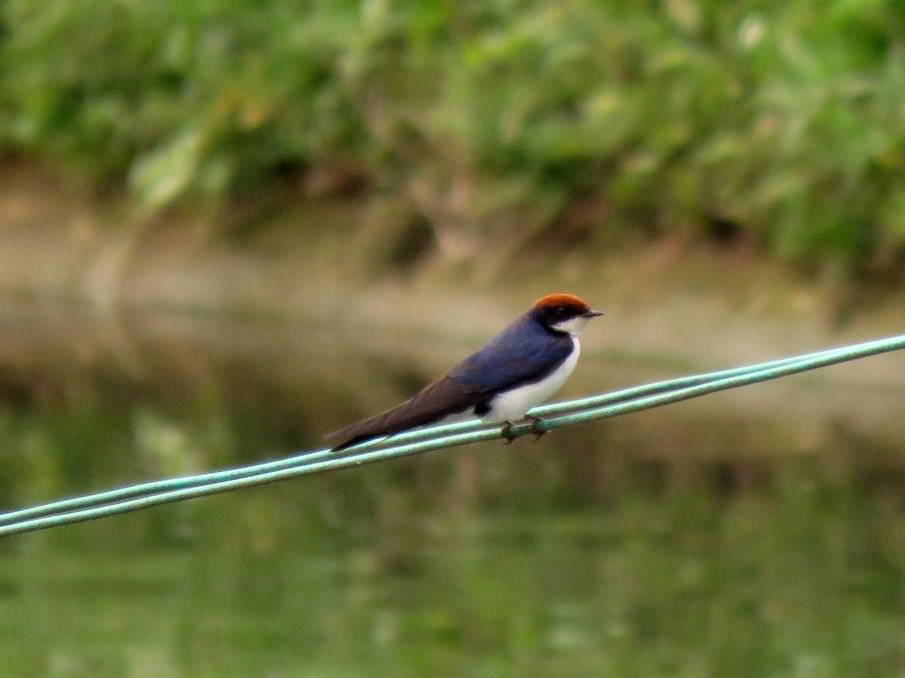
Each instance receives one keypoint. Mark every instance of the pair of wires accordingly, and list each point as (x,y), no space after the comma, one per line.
(542,419)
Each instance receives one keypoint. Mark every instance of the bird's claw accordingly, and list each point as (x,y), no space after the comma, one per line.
(535,421)
(506,432)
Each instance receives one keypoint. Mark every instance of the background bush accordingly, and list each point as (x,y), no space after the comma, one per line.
(779,122)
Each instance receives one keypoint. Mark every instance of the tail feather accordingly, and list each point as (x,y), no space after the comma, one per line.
(438,400)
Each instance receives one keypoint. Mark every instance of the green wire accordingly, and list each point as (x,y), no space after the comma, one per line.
(144,495)
(187,482)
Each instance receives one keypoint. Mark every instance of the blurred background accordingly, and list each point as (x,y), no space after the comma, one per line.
(228,227)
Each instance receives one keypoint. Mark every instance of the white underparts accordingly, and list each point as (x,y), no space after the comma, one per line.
(512,405)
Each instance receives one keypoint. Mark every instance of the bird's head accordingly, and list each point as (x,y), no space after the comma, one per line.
(563,313)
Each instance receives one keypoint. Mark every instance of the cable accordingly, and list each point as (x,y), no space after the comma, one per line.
(556,415)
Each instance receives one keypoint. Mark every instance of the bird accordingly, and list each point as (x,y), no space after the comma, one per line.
(519,368)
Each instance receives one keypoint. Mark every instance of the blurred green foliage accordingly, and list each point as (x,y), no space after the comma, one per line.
(782,123)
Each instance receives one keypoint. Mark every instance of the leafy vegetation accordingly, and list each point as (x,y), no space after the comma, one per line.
(780,123)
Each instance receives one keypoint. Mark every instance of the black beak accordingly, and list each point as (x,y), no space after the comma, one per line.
(591,314)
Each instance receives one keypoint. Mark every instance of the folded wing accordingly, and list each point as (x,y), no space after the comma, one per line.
(440,399)
(523,352)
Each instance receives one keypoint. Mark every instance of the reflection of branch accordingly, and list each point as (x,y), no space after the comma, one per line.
(105,277)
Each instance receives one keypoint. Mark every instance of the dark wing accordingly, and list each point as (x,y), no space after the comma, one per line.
(522,352)
(437,400)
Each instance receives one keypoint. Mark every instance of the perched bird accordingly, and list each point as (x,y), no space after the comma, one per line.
(519,368)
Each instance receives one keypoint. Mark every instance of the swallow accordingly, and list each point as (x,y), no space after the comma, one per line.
(516,370)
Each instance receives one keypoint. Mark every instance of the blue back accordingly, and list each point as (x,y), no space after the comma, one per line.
(522,352)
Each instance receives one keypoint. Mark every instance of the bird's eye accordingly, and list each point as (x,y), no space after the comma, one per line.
(562,311)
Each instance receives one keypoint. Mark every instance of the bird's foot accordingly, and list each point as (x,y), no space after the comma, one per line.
(535,426)
(507,433)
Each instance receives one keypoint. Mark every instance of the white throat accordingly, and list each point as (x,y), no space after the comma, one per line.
(573,326)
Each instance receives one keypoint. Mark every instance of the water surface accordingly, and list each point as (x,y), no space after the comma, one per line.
(757,533)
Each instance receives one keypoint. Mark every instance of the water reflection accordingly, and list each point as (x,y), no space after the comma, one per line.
(738,535)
